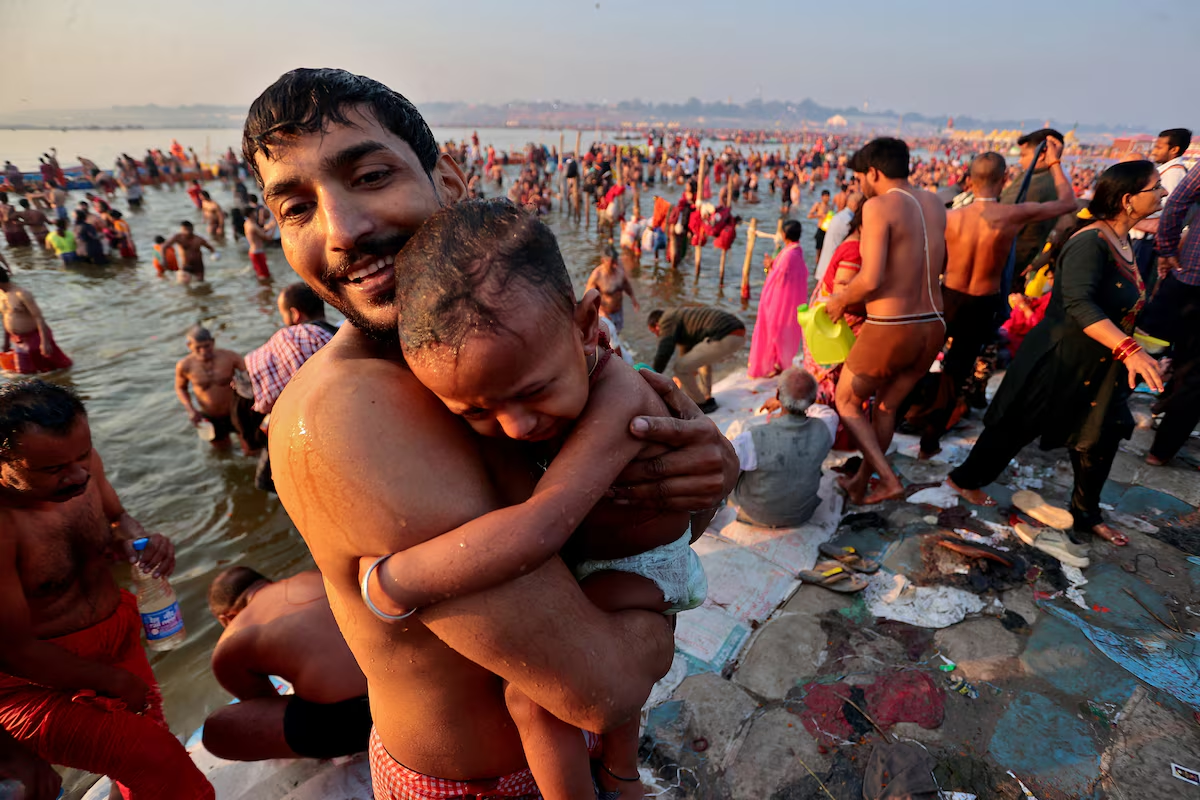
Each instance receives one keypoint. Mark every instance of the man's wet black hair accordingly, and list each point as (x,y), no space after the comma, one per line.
(306,101)
(1035,138)
(1177,137)
(886,154)
(35,403)
(792,229)
(454,276)
(301,297)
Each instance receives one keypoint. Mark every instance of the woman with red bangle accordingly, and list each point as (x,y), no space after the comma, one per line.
(1071,379)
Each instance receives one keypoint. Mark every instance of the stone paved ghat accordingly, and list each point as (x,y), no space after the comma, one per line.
(743,714)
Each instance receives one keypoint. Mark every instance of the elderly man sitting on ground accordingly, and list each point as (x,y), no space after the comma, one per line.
(781,461)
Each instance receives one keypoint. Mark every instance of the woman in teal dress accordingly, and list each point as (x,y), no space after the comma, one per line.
(1071,379)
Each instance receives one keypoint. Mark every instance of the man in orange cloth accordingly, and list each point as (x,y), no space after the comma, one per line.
(75,685)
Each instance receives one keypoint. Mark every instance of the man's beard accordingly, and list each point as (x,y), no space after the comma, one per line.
(382,333)
(381,246)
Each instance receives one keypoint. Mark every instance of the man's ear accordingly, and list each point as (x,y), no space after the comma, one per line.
(587,320)
(448,180)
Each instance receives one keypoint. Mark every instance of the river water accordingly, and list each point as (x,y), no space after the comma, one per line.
(124,328)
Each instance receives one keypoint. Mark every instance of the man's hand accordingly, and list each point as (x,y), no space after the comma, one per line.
(39,778)
(1054,150)
(1167,265)
(835,307)
(158,558)
(701,469)
(128,688)
(195,416)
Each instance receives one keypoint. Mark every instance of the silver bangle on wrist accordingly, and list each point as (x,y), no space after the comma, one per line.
(366,595)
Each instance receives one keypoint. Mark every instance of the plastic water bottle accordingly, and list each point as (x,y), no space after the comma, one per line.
(161,618)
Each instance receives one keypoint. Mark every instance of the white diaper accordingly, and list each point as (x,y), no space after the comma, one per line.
(675,569)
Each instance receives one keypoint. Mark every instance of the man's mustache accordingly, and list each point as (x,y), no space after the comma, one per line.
(378,247)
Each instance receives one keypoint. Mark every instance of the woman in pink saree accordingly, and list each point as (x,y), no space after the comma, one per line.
(777,336)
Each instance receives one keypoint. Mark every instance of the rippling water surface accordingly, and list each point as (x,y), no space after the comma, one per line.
(124,328)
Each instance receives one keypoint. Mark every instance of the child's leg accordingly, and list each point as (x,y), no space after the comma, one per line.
(621,591)
(555,751)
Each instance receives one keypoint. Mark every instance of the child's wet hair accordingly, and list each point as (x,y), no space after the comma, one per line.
(454,277)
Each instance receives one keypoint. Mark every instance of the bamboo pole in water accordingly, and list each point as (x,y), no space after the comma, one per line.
(751,235)
(562,182)
(699,200)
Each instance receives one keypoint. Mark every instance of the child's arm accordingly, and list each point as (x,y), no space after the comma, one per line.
(509,542)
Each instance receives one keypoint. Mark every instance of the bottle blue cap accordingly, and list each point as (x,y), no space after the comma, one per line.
(140,544)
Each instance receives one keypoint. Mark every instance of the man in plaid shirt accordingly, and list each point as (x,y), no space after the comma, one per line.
(304,332)
(1176,306)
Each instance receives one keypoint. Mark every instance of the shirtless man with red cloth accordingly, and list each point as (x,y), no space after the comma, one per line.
(903,253)
(367,462)
(75,685)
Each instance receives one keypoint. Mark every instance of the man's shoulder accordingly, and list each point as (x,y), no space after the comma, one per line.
(340,379)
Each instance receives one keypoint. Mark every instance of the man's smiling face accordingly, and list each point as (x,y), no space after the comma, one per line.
(347,199)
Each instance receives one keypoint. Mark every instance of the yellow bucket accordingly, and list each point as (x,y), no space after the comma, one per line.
(829,342)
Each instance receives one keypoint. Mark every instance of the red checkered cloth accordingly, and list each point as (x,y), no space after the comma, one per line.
(391,780)
(273,365)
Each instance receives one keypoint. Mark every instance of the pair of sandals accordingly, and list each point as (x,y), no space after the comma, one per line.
(1053,539)
(839,573)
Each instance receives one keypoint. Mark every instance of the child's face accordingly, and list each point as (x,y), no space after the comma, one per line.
(529,382)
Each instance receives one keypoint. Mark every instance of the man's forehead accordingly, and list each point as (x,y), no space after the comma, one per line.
(37,447)
(305,151)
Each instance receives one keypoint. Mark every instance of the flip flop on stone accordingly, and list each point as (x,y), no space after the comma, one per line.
(1033,505)
(848,557)
(1054,543)
(832,576)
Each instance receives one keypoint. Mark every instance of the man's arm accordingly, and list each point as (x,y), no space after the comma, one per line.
(504,544)
(667,326)
(204,243)
(232,666)
(182,382)
(628,287)
(873,247)
(426,477)
(170,242)
(1170,224)
(1024,213)
(158,557)
(27,657)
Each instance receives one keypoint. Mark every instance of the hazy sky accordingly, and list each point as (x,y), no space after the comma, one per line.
(1096,61)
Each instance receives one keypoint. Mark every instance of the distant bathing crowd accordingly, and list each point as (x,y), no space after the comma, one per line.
(500,508)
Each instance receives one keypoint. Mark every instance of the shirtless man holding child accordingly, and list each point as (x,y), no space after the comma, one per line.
(903,253)
(369,462)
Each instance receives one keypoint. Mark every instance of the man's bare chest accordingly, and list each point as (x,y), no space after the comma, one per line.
(57,546)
